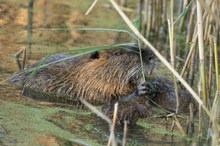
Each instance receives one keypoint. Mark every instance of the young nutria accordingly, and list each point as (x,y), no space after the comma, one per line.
(164,95)
(161,93)
(100,77)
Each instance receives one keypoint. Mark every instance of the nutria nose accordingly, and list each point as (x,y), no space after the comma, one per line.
(151,67)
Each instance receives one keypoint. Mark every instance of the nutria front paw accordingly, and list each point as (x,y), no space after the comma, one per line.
(148,89)
(142,89)
(129,110)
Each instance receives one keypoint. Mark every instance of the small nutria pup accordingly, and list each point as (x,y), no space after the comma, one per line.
(104,76)
(161,93)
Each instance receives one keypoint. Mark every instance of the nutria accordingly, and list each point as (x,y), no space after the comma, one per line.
(161,93)
(164,95)
(103,76)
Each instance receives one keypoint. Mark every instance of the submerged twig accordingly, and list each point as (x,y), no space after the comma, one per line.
(104,117)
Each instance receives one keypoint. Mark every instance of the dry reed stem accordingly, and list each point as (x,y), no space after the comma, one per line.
(145,17)
(192,48)
(192,69)
(210,67)
(190,25)
(29,26)
(125,133)
(216,102)
(179,125)
(216,111)
(206,28)
(24,57)
(216,62)
(113,125)
(163,60)
(191,119)
(17,59)
(149,18)
(104,117)
(91,7)
(172,52)
(201,51)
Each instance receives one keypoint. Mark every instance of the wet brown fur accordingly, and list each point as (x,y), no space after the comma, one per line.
(102,76)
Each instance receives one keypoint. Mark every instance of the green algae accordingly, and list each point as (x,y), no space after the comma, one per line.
(23,123)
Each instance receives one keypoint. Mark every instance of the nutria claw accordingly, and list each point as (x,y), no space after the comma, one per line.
(143,89)
(146,88)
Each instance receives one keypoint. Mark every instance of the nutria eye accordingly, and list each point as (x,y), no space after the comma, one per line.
(95,55)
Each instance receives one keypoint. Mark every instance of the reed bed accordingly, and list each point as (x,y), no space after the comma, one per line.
(193,34)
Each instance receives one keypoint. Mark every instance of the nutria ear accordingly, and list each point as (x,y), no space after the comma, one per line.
(98,54)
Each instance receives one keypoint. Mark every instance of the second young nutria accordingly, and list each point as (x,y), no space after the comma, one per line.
(161,94)
(164,95)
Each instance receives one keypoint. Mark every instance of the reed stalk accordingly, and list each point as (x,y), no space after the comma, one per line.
(172,51)
(192,48)
(112,134)
(29,26)
(216,115)
(216,62)
(125,133)
(91,7)
(105,118)
(139,13)
(149,18)
(201,51)
(145,22)
(192,69)
(190,25)
(210,67)
(191,120)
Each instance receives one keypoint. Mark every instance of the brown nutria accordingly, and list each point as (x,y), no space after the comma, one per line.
(103,76)
(163,95)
